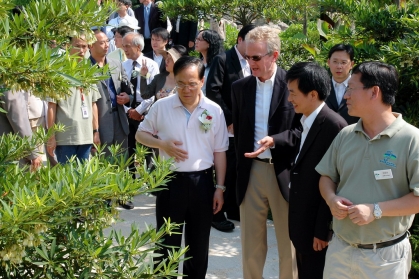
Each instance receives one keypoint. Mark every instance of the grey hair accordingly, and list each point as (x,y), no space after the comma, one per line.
(137,39)
(265,34)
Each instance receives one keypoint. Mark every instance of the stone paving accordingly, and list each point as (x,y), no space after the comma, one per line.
(225,248)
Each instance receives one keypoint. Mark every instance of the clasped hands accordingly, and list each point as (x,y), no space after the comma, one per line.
(360,214)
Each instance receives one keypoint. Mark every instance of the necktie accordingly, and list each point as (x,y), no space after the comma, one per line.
(134,81)
(146,27)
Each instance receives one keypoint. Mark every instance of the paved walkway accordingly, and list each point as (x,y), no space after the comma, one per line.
(225,248)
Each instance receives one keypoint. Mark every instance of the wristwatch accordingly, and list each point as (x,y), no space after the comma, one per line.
(377,211)
(95,131)
(220,187)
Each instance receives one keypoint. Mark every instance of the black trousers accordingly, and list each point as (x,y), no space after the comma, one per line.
(230,202)
(188,199)
(311,265)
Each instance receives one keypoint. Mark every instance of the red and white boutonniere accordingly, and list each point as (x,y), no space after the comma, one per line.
(206,120)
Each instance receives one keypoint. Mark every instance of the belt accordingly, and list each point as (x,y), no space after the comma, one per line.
(381,244)
(206,171)
(114,109)
(266,160)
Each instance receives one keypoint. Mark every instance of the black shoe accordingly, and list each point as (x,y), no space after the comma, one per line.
(224,226)
(127,205)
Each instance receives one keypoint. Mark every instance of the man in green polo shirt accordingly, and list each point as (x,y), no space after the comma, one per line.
(370,181)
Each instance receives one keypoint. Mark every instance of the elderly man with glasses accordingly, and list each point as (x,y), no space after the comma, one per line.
(261,110)
(191,129)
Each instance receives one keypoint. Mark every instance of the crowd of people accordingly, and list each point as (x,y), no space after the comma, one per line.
(327,156)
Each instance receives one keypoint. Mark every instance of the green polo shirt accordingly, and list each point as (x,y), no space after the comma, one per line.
(79,130)
(351,161)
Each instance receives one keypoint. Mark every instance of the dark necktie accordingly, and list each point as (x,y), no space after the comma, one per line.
(134,80)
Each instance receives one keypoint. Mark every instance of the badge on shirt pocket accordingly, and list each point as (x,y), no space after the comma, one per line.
(84,112)
(383,174)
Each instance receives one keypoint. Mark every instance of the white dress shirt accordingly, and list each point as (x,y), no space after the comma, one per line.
(263,103)
(340,89)
(307,122)
(243,62)
(153,69)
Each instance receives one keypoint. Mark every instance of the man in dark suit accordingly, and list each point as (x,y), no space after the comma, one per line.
(149,10)
(113,122)
(225,69)
(309,216)
(159,40)
(340,61)
(184,33)
(260,108)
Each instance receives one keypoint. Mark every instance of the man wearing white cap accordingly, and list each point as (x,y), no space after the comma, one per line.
(123,6)
(115,45)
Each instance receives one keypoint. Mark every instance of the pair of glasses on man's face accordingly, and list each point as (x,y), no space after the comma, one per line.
(191,86)
(255,57)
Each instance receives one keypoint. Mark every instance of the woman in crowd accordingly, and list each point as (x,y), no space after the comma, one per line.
(209,44)
(163,84)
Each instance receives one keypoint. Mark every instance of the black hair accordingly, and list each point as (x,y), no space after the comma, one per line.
(161,32)
(123,30)
(126,2)
(183,51)
(215,44)
(243,32)
(310,76)
(385,76)
(341,47)
(188,61)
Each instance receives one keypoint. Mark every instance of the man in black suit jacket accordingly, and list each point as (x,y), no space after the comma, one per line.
(340,61)
(159,40)
(225,69)
(184,33)
(155,19)
(309,216)
(260,108)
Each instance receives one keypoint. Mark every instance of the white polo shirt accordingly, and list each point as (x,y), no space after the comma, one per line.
(168,120)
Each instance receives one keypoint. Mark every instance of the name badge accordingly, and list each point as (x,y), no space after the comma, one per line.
(84,112)
(383,174)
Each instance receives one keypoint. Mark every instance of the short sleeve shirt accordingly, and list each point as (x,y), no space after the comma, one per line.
(167,120)
(79,130)
(351,162)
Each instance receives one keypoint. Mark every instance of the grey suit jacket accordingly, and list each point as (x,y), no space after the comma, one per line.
(104,105)
(16,120)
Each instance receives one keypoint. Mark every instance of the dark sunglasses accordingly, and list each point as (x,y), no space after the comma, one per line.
(255,57)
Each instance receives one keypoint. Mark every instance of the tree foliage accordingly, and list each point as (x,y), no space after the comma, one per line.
(52,220)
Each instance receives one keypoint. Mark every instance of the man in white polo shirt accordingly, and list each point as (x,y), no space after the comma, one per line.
(192,130)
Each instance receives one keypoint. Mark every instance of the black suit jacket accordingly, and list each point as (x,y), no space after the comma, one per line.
(341,109)
(155,18)
(225,69)
(281,118)
(187,33)
(162,68)
(309,215)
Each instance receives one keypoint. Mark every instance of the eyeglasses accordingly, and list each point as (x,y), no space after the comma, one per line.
(348,89)
(191,86)
(255,57)
(199,39)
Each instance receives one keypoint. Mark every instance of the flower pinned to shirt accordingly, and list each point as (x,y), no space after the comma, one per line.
(135,72)
(206,120)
